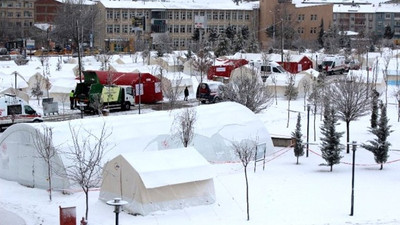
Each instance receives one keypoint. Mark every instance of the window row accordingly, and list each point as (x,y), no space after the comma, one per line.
(16,5)
(25,14)
(179,15)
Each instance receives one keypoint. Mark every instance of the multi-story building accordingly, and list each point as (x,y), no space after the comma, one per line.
(16,19)
(371,19)
(120,27)
(303,18)
(46,10)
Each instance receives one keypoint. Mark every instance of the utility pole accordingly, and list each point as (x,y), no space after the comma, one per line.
(282,41)
(354,143)
(79,53)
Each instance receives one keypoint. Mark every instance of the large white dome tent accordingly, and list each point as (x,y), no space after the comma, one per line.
(217,125)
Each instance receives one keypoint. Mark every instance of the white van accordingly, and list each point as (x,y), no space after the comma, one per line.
(15,110)
(333,64)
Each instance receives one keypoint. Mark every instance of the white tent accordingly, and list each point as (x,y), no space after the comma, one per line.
(158,180)
(214,132)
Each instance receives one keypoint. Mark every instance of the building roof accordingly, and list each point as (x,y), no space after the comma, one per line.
(181,4)
(371,8)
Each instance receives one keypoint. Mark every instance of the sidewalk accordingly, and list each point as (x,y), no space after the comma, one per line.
(8,218)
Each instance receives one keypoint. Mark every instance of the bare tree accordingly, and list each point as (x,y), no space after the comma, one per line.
(248,90)
(86,154)
(171,88)
(306,89)
(245,150)
(291,92)
(37,89)
(43,142)
(349,98)
(105,60)
(202,62)
(183,125)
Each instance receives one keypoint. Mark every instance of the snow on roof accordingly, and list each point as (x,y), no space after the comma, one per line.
(169,167)
(182,4)
(370,8)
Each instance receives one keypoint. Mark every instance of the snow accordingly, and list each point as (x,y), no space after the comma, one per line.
(283,193)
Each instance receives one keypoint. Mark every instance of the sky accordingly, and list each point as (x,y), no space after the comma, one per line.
(281,193)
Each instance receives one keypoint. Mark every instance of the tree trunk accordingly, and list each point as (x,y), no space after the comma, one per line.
(247,193)
(297,162)
(288,114)
(49,177)
(347,137)
(86,190)
(381,166)
(331,168)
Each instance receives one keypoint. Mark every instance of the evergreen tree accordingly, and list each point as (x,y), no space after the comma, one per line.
(380,146)
(330,146)
(388,34)
(374,113)
(245,32)
(252,45)
(298,142)
(212,36)
(238,43)
(321,34)
(230,33)
(223,46)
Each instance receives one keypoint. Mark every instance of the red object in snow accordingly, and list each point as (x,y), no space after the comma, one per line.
(151,85)
(297,64)
(224,67)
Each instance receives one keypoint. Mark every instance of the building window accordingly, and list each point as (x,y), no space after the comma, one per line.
(209,16)
(182,43)
(215,15)
(125,29)
(246,16)
(176,28)
(109,29)
(189,28)
(228,15)
(170,15)
(109,14)
(183,29)
(221,29)
(116,15)
(313,16)
(117,29)
(300,30)
(221,15)
(300,17)
(189,15)
(240,16)
(10,14)
(176,43)
(183,15)
(132,14)
(313,30)
(176,15)
(125,15)
(387,16)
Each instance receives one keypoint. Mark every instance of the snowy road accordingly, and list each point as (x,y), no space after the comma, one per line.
(8,218)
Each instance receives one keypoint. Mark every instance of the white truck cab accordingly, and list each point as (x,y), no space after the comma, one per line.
(15,110)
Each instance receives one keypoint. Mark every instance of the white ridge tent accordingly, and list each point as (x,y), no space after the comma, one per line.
(216,127)
(158,180)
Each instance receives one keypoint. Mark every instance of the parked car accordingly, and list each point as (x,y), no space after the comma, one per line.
(208,92)
(353,65)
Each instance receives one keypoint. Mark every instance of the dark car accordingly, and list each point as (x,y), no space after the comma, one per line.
(208,92)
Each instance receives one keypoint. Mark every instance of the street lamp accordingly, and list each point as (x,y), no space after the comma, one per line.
(117,203)
(308,127)
(354,143)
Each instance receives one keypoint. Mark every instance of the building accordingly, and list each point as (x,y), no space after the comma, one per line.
(123,22)
(305,19)
(16,19)
(368,19)
(46,10)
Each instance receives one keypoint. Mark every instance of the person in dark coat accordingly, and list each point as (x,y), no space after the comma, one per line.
(186,94)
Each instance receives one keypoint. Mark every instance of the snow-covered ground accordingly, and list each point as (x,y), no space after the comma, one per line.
(282,193)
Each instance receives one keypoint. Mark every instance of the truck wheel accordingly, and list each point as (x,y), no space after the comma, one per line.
(126,106)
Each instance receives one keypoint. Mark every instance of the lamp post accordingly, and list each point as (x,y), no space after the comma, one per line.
(117,203)
(354,143)
(367,73)
(308,127)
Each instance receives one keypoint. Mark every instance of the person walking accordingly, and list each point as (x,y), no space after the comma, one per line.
(72,99)
(186,94)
